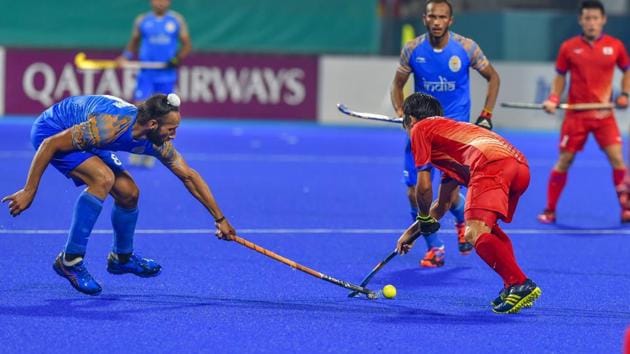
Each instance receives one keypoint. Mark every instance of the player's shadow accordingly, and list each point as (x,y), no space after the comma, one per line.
(416,277)
(77,308)
(125,307)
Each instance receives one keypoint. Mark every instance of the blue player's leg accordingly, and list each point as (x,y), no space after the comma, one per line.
(99,179)
(435,255)
(457,210)
(124,216)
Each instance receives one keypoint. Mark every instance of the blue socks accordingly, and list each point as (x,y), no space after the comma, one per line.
(86,212)
(432,240)
(458,209)
(124,224)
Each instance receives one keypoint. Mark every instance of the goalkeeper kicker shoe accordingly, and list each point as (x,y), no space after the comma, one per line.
(77,275)
(517,297)
(142,267)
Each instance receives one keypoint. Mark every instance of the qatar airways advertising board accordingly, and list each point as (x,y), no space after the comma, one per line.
(247,86)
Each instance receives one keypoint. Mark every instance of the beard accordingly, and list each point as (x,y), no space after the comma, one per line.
(155,138)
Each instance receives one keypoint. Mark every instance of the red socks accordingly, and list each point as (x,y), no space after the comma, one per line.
(557,181)
(620,186)
(618,176)
(500,257)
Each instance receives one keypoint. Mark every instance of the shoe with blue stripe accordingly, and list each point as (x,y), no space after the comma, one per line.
(517,297)
(77,275)
(142,267)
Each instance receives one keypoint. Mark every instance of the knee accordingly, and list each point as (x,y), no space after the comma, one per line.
(564,162)
(616,161)
(128,198)
(471,235)
(103,180)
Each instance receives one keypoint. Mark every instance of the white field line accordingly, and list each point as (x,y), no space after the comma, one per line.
(314,231)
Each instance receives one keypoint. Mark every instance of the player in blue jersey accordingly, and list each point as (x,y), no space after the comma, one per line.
(157,36)
(78,136)
(439,61)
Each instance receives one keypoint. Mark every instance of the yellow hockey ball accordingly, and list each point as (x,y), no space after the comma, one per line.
(389,291)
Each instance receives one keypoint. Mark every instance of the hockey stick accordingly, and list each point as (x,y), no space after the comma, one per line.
(82,62)
(359,289)
(378,267)
(370,116)
(567,106)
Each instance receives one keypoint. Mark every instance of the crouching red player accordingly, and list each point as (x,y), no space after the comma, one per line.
(496,174)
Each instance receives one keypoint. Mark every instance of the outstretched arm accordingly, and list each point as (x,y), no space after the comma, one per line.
(22,199)
(198,187)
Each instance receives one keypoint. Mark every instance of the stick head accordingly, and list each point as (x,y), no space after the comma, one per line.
(372,295)
(79,59)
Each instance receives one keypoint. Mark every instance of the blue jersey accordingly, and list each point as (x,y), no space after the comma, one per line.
(444,73)
(100,123)
(159,39)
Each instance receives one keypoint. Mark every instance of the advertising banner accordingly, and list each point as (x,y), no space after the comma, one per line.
(363,84)
(210,85)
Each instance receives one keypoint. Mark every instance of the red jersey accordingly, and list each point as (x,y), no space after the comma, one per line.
(592,68)
(458,149)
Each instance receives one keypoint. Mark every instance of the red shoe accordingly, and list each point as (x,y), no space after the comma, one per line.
(434,258)
(547,217)
(464,246)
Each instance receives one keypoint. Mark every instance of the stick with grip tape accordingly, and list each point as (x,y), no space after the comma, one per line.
(359,289)
(429,228)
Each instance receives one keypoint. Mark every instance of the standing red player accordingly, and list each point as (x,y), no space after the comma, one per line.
(591,59)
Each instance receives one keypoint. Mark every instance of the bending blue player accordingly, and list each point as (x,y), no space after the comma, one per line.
(440,62)
(78,136)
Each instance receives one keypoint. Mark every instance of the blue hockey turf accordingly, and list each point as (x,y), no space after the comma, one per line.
(331,198)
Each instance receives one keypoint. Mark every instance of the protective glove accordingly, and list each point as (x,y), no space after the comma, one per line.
(485,119)
(428,224)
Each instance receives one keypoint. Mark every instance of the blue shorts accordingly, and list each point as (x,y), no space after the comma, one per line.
(65,162)
(410,173)
(150,83)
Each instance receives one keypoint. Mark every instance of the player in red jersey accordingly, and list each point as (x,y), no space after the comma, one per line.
(496,175)
(591,59)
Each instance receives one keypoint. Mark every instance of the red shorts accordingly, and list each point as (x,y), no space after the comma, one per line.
(494,191)
(575,131)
